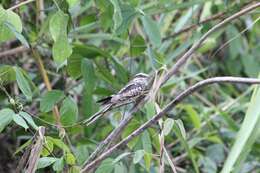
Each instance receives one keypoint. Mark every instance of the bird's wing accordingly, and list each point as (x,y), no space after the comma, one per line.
(131,89)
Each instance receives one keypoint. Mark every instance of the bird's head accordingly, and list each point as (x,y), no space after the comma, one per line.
(141,75)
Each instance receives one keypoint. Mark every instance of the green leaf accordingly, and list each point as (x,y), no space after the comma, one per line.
(74,62)
(58,164)
(180,133)
(23,83)
(167,126)
(81,153)
(193,115)
(209,165)
(212,150)
(70,159)
(150,109)
(133,125)
(50,99)
(252,67)
(146,141)
(147,161)
(121,156)
(247,135)
(7,74)
(45,162)
(48,148)
(106,166)
(88,73)
(152,30)
(69,111)
(138,46)
(185,18)
(72,2)
(119,168)
(20,121)
(179,123)
(61,49)
(138,156)
(83,51)
(12,18)
(59,144)
(117,16)
(6,116)
(25,145)
(128,14)
(28,119)
(209,44)
(17,34)
(157,60)
(58,25)
(235,46)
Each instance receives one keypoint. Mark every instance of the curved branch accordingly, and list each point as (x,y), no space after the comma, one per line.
(169,107)
(196,45)
(114,135)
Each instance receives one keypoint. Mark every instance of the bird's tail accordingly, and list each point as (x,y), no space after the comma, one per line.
(97,115)
(105,101)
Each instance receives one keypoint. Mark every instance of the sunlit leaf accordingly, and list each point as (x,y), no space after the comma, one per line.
(6,116)
(152,30)
(68,111)
(50,99)
(20,121)
(45,162)
(23,83)
(28,119)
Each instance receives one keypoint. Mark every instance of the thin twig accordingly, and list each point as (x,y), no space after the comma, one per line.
(13,51)
(209,19)
(169,107)
(46,82)
(20,4)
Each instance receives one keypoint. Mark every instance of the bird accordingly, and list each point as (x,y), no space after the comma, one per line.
(128,94)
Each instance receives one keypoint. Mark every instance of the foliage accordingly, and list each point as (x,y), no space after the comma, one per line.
(72,53)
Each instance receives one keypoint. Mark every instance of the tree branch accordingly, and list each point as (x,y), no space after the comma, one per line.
(47,84)
(14,51)
(196,45)
(172,71)
(169,107)
(20,4)
(211,18)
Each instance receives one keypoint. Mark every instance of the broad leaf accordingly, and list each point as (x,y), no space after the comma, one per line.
(23,83)
(28,119)
(6,116)
(69,111)
(12,18)
(50,99)
(45,162)
(20,121)
(152,30)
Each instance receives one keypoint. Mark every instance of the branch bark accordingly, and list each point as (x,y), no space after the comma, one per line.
(13,51)
(169,107)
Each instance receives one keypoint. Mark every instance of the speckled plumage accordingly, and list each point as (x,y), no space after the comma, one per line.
(133,89)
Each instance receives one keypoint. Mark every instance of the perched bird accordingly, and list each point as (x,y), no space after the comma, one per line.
(128,94)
